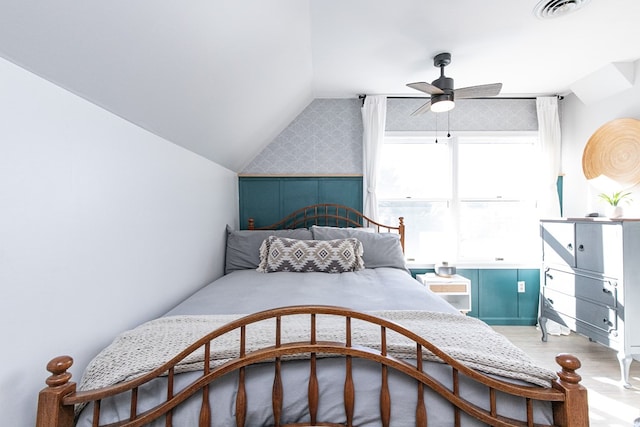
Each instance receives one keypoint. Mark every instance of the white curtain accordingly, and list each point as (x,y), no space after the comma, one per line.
(374,113)
(550,149)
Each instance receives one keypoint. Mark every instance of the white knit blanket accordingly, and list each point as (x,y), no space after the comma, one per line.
(467,339)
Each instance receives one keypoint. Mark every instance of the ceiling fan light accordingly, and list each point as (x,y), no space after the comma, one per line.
(442,103)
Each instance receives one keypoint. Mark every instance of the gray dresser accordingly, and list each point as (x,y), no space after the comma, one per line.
(590,282)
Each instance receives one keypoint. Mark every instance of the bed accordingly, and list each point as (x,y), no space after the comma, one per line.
(317,321)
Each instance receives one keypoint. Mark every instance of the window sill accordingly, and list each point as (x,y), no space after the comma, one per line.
(479,265)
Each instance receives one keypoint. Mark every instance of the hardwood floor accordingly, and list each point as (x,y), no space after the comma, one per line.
(610,404)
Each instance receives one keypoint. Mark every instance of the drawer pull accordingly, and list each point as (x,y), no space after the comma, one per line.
(606,291)
(570,246)
(549,276)
(581,248)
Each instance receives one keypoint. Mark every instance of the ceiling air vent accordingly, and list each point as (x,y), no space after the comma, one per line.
(546,9)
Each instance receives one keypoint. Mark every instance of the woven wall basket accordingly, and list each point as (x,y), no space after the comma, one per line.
(614,151)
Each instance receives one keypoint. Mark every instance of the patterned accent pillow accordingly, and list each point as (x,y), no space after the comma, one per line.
(380,249)
(326,256)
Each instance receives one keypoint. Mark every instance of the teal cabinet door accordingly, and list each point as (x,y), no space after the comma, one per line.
(269,199)
(259,199)
(342,191)
(298,193)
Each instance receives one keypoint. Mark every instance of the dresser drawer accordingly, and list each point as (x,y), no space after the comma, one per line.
(601,291)
(598,316)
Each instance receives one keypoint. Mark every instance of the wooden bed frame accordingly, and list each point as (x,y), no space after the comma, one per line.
(568,397)
(329,214)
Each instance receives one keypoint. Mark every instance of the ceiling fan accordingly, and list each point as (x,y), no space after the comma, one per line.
(442,91)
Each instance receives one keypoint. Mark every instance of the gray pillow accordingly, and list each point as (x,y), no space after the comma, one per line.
(380,249)
(243,246)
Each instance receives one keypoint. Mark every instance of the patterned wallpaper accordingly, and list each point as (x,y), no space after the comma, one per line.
(326,138)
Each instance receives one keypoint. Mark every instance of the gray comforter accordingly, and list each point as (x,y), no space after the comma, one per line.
(371,289)
(247,291)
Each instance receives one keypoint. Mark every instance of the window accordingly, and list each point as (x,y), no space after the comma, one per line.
(468,198)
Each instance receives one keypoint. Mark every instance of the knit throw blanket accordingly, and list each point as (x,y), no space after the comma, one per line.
(467,339)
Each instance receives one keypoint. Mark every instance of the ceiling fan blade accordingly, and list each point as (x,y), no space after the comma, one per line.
(422,109)
(480,91)
(426,88)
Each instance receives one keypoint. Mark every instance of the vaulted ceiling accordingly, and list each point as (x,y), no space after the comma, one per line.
(223,77)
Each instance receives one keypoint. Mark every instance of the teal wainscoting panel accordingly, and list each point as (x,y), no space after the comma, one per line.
(259,197)
(298,193)
(560,187)
(342,191)
(528,300)
(494,294)
(269,199)
(498,295)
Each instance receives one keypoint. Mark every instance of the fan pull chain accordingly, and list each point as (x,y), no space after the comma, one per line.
(436,128)
(448,125)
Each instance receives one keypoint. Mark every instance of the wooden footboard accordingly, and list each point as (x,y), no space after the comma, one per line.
(568,398)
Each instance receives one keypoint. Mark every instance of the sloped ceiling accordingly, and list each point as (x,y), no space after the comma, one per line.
(223,77)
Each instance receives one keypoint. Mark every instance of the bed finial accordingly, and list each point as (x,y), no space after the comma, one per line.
(574,411)
(58,367)
(251,224)
(401,231)
(51,410)
(569,364)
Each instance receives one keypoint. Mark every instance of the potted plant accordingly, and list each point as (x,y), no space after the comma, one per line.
(614,200)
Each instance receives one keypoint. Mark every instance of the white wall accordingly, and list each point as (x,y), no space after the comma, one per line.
(102,226)
(579,122)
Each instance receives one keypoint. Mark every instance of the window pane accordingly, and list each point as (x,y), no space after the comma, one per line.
(470,198)
(428,237)
(494,231)
(496,170)
(414,170)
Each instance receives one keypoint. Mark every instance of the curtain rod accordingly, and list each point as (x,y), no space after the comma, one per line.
(492,97)
(560,97)
(362,97)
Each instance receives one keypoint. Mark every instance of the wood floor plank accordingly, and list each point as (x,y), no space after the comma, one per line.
(610,404)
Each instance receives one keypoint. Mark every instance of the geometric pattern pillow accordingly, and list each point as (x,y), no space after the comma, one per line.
(326,256)
(380,249)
